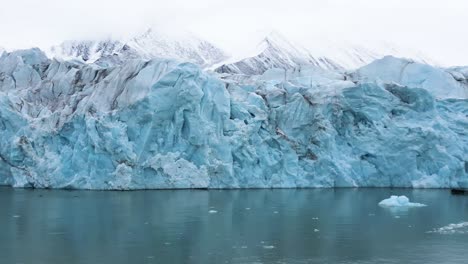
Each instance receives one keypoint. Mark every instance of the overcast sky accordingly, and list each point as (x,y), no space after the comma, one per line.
(438,28)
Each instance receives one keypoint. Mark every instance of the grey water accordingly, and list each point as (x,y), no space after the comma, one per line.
(229,226)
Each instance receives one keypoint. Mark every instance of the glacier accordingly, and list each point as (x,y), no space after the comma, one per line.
(442,84)
(163,124)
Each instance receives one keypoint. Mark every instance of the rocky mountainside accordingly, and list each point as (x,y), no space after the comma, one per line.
(149,45)
(275,51)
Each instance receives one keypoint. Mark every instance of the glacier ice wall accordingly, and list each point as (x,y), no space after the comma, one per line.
(442,83)
(161,124)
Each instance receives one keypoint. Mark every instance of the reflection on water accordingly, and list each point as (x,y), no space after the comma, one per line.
(235,226)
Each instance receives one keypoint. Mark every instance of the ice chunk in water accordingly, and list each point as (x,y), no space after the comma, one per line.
(460,228)
(399,201)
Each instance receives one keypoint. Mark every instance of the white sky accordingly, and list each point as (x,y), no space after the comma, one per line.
(438,28)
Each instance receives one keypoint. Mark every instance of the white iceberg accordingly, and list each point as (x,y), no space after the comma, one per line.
(399,201)
(460,228)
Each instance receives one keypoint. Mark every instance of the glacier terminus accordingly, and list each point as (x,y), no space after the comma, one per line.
(160,123)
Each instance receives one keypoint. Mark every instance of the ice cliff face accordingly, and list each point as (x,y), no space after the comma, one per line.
(163,124)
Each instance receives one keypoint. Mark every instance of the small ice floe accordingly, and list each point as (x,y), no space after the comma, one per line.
(315,218)
(56,233)
(275,212)
(316,230)
(212,211)
(243,247)
(247,208)
(16,216)
(399,201)
(460,228)
(397,216)
(269,247)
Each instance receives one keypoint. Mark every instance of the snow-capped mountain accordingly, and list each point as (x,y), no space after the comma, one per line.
(87,50)
(1,51)
(351,56)
(275,51)
(187,47)
(149,45)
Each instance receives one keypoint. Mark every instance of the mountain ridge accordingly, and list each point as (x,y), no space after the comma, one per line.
(149,45)
(273,51)
(276,51)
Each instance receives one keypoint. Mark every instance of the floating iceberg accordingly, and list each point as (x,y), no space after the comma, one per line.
(399,201)
(158,124)
(460,228)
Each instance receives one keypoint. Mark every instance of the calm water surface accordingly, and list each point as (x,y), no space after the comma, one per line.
(239,226)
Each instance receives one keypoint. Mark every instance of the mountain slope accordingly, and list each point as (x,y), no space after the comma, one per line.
(150,45)
(275,51)
(87,50)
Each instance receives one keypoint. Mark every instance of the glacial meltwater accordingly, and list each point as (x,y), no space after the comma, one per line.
(231,226)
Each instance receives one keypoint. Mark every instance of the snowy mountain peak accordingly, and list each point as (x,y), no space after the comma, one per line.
(185,47)
(276,51)
(273,51)
(151,44)
(275,40)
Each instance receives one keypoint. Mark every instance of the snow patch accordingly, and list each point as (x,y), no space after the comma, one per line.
(269,247)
